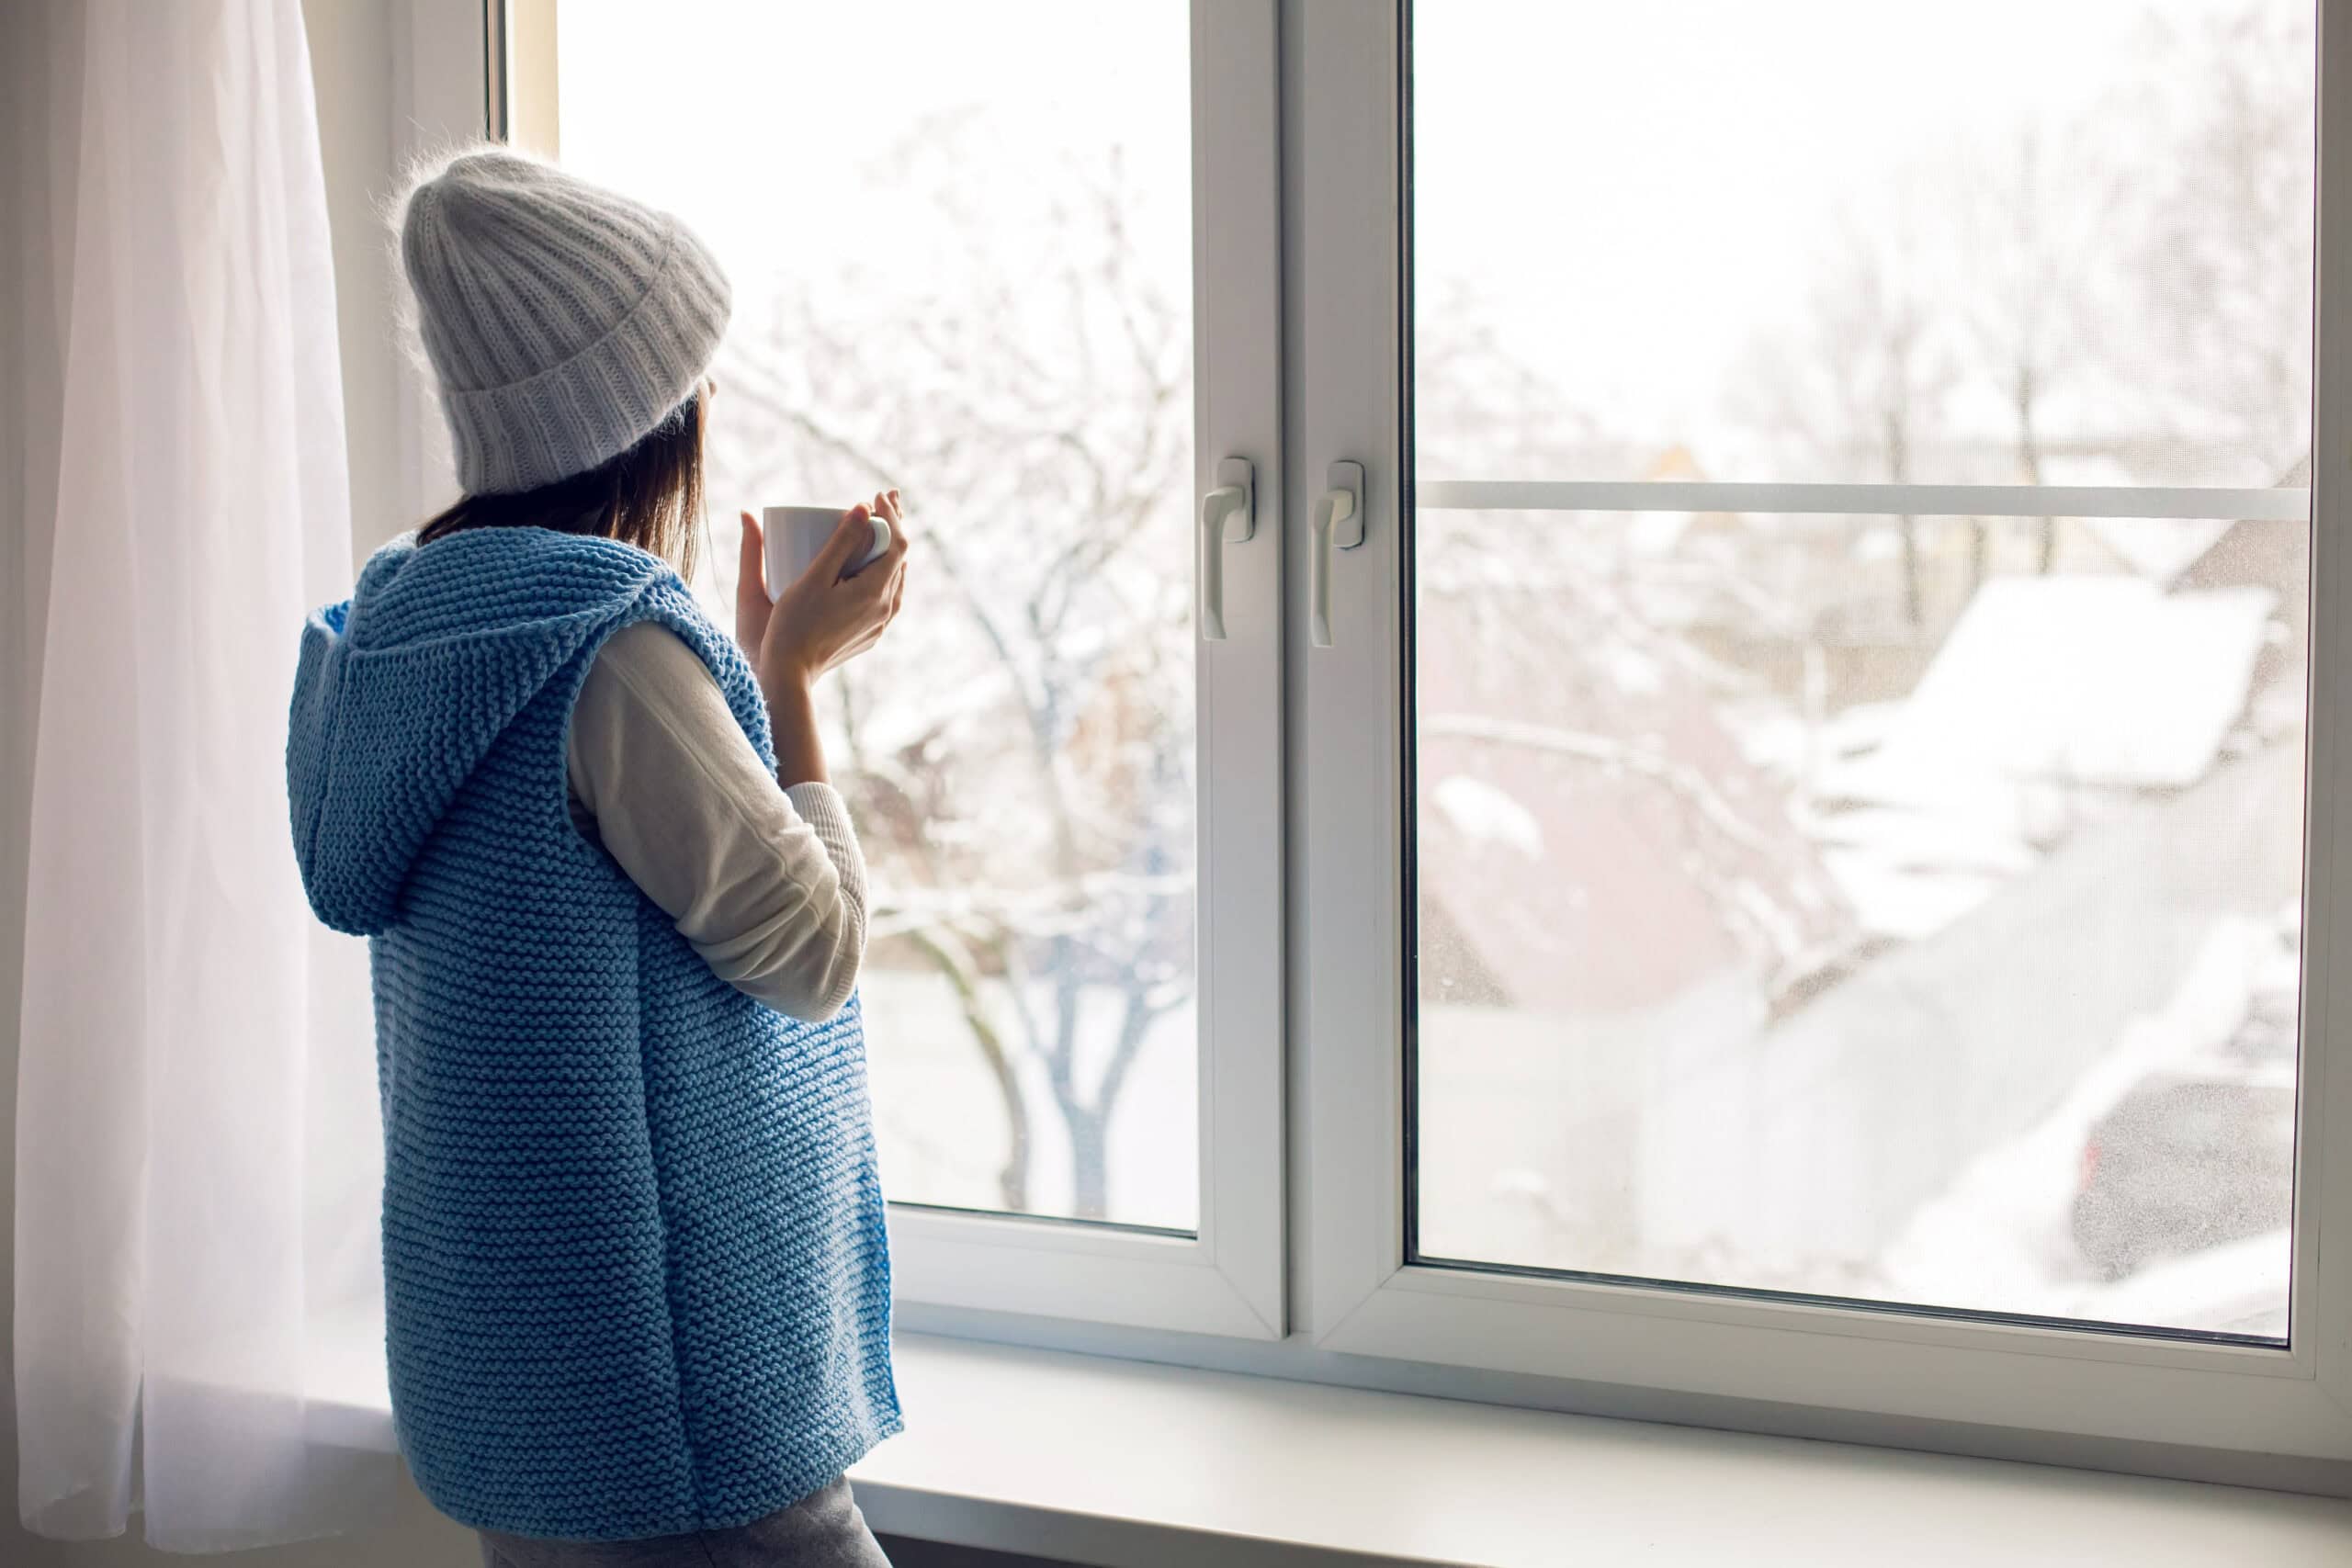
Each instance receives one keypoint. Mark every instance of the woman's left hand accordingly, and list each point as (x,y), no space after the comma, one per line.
(830,614)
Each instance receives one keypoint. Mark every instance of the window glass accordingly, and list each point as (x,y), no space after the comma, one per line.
(960,243)
(1812,897)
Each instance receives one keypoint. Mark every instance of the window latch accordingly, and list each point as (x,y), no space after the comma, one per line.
(1339,520)
(1229,516)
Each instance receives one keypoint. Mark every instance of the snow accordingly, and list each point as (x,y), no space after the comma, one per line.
(1655,534)
(2050,697)
(2239,1287)
(2159,548)
(1634,672)
(2103,681)
(1480,812)
(2000,1239)
(1774,736)
(1908,873)
(1864,727)
(1946,841)
(2088,471)
(1909,903)
(940,1118)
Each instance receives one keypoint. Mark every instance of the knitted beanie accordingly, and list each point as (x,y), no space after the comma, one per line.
(565,323)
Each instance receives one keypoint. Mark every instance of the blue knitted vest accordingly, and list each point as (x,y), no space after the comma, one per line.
(635,1275)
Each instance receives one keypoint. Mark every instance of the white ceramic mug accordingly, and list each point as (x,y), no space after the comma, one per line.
(791,536)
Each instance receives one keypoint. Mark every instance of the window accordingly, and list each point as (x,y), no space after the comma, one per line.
(1768,772)
(1858,766)
(1031,985)
(1833,656)
(962,245)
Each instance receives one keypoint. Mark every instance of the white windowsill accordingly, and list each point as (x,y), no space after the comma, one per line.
(1131,1465)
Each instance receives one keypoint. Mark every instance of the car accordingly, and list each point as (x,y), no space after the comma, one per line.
(2198,1153)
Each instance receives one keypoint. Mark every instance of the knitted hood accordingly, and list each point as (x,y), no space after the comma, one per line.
(404,687)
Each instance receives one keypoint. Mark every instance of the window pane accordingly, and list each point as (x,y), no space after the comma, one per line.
(960,243)
(1835,239)
(1901,908)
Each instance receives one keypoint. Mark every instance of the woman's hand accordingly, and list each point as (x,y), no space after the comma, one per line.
(823,618)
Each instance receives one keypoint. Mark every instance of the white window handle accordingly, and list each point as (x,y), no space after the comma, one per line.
(1339,520)
(1227,517)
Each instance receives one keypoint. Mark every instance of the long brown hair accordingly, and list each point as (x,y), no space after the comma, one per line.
(649,496)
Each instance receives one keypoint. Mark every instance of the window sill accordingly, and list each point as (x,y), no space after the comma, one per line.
(1134,1465)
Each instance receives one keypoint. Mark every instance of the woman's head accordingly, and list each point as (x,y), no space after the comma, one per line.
(571,330)
(649,496)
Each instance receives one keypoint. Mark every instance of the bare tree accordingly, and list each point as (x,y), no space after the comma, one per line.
(1863,379)
(2225,311)
(2037,227)
(1586,648)
(1022,747)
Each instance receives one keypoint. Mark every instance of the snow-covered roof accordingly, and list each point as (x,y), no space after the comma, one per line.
(1482,813)
(2075,680)
(2159,548)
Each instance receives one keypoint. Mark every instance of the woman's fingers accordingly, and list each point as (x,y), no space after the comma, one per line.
(851,538)
(748,557)
(898,574)
(751,605)
(895,556)
(842,610)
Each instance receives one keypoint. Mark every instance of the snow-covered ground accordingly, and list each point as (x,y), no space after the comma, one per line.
(2000,1238)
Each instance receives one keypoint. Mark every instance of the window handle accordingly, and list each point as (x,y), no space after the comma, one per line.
(1339,520)
(1228,517)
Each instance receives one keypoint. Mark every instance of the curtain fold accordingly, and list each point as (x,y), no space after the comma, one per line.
(187,1032)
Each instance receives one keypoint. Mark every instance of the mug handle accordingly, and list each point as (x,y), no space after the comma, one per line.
(881,547)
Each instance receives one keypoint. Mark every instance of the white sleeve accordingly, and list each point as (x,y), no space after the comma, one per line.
(768,885)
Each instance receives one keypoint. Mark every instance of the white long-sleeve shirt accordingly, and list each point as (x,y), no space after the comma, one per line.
(767,883)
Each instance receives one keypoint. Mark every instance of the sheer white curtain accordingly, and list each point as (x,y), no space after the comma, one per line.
(191,1045)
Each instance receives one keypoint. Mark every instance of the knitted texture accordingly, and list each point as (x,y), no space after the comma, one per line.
(636,1277)
(564,323)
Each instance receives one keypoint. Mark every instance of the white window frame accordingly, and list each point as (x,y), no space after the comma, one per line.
(1226,1278)
(1365,1298)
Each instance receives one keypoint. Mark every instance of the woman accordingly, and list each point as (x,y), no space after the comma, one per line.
(636,1280)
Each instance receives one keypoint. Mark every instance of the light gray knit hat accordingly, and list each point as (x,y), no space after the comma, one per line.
(564,321)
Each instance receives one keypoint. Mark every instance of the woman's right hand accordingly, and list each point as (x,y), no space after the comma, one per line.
(823,618)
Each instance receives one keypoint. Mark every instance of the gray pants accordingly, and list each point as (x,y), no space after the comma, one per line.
(823,1530)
